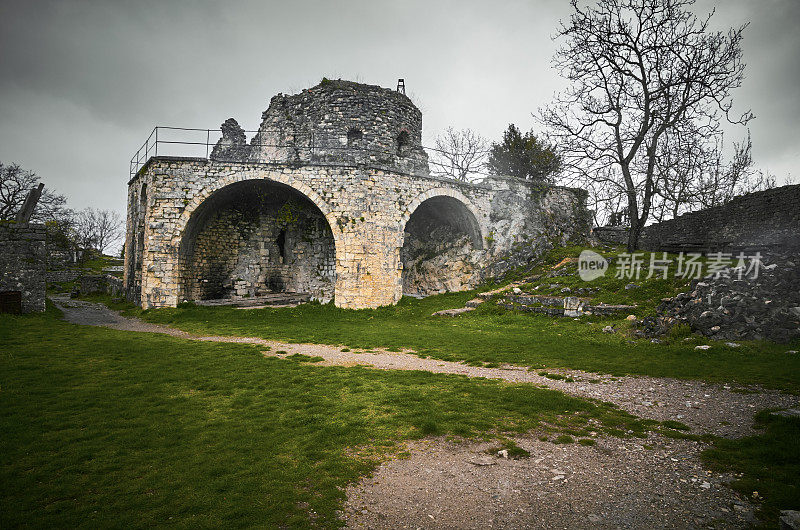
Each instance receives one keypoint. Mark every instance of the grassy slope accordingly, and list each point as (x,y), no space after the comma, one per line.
(95,265)
(769,462)
(107,428)
(494,335)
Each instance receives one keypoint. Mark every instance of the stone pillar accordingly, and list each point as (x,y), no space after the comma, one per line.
(160,280)
(160,273)
(367,267)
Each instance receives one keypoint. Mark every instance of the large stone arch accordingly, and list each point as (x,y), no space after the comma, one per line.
(276,176)
(477,227)
(215,198)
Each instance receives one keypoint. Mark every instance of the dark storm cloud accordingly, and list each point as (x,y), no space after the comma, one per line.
(83,82)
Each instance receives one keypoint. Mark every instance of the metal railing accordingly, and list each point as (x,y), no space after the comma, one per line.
(200,143)
(184,141)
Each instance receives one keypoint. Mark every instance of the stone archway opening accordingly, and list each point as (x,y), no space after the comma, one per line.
(254,239)
(441,246)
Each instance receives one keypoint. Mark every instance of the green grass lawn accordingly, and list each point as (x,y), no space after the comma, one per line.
(494,335)
(769,463)
(107,428)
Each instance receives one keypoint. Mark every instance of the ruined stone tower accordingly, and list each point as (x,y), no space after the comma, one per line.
(331,197)
(341,122)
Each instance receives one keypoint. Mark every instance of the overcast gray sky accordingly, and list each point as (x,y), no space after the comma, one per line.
(82,83)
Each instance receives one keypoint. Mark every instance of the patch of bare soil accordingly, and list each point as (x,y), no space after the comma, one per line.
(615,484)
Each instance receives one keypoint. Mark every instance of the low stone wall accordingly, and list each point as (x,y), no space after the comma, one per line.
(23,259)
(100,283)
(766,220)
(611,235)
(63,275)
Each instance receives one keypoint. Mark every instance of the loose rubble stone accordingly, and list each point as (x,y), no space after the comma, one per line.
(453,312)
(734,306)
(790,520)
(788,413)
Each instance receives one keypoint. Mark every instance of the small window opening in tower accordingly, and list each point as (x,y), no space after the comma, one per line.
(354,136)
(402,142)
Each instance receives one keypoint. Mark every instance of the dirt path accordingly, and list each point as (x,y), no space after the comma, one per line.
(657,483)
(719,409)
(653,483)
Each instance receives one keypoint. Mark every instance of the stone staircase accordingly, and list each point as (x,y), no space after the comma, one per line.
(513,298)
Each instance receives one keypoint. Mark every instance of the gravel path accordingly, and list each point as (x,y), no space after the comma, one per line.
(719,409)
(653,483)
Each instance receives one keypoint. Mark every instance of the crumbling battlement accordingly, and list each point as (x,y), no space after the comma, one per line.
(335,122)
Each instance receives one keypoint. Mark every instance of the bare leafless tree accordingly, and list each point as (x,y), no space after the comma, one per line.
(459,154)
(15,184)
(722,181)
(691,173)
(97,229)
(638,69)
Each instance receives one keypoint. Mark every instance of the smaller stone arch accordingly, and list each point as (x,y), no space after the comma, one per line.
(441,244)
(476,230)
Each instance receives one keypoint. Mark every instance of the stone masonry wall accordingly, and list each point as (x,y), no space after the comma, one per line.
(765,220)
(134,238)
(23,259)
(251,257)
(64,275)
(366,210)
(527,220)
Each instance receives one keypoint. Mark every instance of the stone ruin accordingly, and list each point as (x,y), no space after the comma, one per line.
(728,306)
(331,198)
(23,259)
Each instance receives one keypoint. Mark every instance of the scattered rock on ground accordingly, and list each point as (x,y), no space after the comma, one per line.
(790,520)
(453,312)
(736,306)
